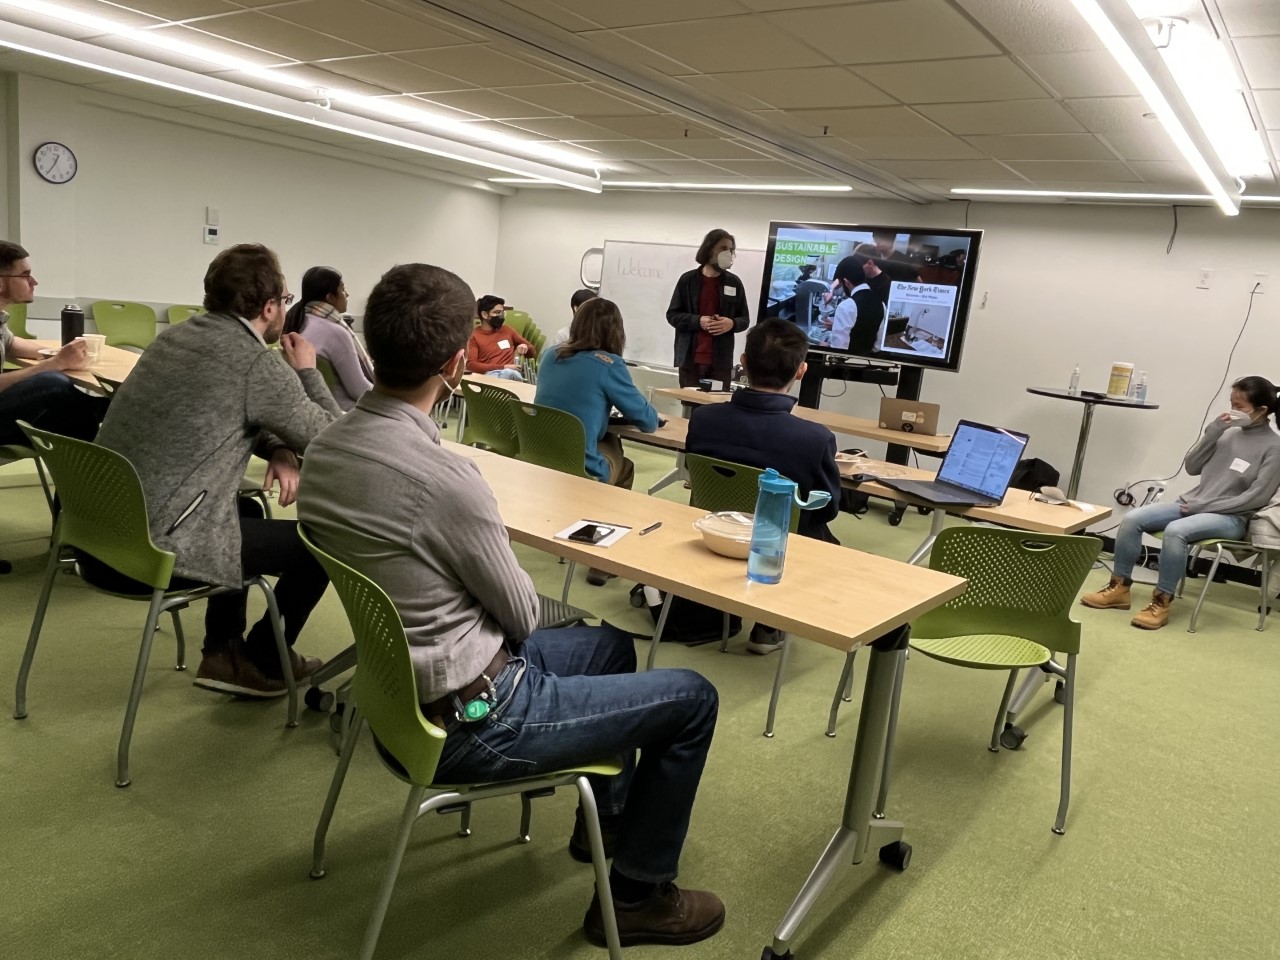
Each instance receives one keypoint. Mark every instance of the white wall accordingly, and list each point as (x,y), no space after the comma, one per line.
(130,224)
(1064,285)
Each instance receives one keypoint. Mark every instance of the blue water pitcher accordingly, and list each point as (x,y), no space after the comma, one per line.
(773,522)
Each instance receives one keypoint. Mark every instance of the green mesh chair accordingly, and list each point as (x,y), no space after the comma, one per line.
(556,440)
(1237,551)
(14,453)
(103,514)
(385,693)
(519,321)
(18,320)
(125,324)
(1014,615)
(326,371)
(182,312)
(490,419)
(716,486)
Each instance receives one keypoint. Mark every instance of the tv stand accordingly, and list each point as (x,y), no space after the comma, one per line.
(908,380)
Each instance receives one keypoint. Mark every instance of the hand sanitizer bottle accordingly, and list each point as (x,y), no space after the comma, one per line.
(1073,388)
(1140,392)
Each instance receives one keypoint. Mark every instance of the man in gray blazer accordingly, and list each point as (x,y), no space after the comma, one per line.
(203,398)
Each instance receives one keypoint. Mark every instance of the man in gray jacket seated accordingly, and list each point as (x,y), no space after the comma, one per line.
(203,398)
(515,701)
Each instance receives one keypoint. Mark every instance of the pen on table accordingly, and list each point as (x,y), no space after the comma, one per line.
(652,527)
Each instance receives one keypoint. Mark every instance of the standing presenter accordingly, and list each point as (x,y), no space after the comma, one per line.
(708,306)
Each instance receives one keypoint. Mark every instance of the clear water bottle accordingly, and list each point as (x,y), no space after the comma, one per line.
(1140,392)
(770,528)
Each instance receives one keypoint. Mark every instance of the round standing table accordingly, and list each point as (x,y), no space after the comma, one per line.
(1086,422)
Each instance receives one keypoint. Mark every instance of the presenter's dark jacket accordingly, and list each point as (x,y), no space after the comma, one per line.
(684,316)
(757,429)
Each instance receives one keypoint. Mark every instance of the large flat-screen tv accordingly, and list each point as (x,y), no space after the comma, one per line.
(873,291)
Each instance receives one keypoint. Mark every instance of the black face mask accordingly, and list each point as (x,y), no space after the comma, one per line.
(496,322)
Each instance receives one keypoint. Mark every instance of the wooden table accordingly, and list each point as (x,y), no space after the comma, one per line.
(113,363)
(1018,510)
(878,596)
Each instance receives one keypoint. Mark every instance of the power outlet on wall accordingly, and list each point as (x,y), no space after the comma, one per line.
(1260,283)
(1204,279)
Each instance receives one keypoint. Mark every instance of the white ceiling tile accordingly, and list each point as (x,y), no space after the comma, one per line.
(1274,137)
(806,87)
(944,169)
(766,6)
(1043,146)
(688,168)
(555,14)
(911,148)
(711,89)
(266,33)
(1260,57)
(627,150)
(483,65)
(724,44)
(1146,142)
(564,128)
(319,77)
(394,75)
(65,28)
(576,100)
(654,126)
(487,103)
(1040,170)
(1018,116)
(1034,26)
(180,9)
(709,149)
(1168,174)
(1251,18)
(1106,114)
(619,49)
(204,41)
(886,32)
(370,25)
(772,169)
(614,14)
(862,122)
(1268,102)
(954,81)
(1086,73)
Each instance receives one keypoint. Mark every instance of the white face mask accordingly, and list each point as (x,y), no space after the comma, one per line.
(724,259)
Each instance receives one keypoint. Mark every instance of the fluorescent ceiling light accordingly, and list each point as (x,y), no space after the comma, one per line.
(744,187)
(395,111)
(218,90)
(1101,195)
(1126,39)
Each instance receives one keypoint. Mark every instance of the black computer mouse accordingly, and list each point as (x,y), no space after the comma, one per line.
(864,478)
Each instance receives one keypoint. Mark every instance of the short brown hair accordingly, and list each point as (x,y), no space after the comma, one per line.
(775,349)
(11,253)
(242,280)
(709,242)
(416,319)
(597,325)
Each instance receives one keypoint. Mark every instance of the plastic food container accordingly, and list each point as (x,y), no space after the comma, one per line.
(728,533)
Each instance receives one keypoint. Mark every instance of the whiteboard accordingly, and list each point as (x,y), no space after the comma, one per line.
(640,277)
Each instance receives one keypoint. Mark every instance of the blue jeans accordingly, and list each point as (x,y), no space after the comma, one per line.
(504,374)
(49,401)
(1178,530)
(579,700)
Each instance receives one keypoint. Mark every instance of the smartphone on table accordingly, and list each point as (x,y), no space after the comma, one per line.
(590,533)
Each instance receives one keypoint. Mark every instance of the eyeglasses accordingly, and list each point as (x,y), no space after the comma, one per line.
(16,276)
(287,299)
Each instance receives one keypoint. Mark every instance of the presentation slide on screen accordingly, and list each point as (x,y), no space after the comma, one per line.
(915,277)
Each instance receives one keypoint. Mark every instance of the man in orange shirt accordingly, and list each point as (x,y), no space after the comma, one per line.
(494,346)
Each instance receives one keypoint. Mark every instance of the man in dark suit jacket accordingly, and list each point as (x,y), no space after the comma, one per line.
(756,428)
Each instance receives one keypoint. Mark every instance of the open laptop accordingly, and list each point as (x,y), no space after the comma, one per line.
(976,469)
(910,416)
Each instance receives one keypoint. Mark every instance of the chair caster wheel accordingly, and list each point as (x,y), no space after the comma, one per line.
(123,783)
(896,855)
(1011,737)
(768,954)
(335,723)
(895,519)
(924,511)
(316,873)
(318,699)
(1059,832)
(1060,692)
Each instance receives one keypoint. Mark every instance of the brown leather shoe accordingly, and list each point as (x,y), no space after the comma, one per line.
(668,915)
(1114,596)
(1156,613)
(226,671)
(580,842)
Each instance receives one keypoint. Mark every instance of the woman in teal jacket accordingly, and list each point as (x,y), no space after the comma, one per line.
(587,377)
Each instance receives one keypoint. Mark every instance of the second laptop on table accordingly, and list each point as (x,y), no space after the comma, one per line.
(976,469)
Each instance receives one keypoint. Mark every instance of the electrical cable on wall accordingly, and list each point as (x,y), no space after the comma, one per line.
(1169,249)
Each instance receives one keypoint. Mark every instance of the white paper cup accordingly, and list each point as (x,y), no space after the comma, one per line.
(94,343)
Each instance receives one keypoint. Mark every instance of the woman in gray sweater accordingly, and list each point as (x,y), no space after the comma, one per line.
(318,317)
(1238,463)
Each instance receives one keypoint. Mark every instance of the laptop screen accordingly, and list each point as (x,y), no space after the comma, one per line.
(981,458)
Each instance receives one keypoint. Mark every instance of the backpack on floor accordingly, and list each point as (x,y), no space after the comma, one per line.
(688,622)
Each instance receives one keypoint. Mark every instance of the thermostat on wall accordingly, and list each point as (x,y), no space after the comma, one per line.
(211,234)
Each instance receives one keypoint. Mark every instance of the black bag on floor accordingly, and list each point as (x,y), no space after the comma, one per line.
(1032,474)
(688,622)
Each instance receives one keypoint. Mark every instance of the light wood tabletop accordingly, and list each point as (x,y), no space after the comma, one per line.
(113,363)
(875,595)
(836,422)
(1017,510)
(525,391)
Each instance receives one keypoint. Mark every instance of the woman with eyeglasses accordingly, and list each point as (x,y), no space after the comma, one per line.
(317,316)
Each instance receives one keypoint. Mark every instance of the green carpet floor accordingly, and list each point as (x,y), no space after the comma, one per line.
(1171,847)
